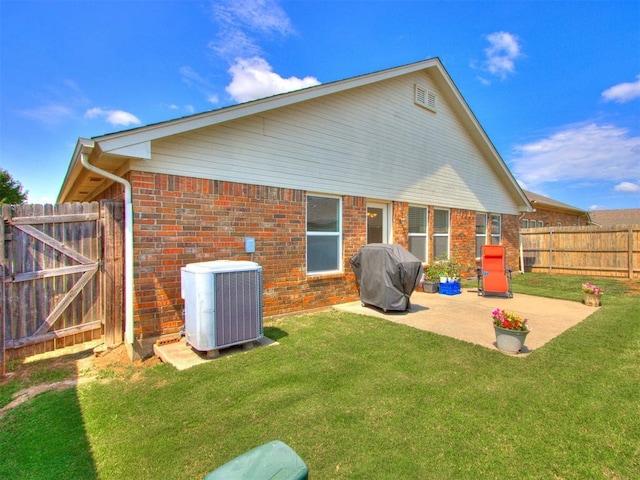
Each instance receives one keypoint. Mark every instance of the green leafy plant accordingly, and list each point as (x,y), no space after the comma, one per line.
(442,267)
(434,271)
(509,320)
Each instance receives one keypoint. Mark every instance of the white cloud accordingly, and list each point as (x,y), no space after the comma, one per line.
(623,92)
(189,109)
(232,43)
(253,78)
(114,117)
(483,80)
(60,102)
(627,187)
(578,153)
(50,114)
(197,81)
(240,20)
(193,78)
(242,26)
(501,54)
(263,15)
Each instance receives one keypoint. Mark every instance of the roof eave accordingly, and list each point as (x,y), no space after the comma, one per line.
(83,145)
(137,141)
(524,204)
(148,133)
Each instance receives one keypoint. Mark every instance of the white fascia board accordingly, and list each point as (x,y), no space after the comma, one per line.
(117,141)
(485,138)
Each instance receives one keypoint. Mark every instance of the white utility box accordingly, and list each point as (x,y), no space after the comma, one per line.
(223,303)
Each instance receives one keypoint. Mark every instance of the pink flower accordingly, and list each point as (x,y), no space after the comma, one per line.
(508,320)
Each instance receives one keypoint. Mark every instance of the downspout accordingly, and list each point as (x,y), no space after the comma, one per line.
(128,247)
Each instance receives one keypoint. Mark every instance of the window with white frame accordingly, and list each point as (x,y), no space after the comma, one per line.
(496,229)
(441,233)
(481,232)
(418,232)
(525,223)
(324,234)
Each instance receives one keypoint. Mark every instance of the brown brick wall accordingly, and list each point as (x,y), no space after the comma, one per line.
(511,240)
(181,220)
(462,230)
(463,239)
(552,218)
(401,224)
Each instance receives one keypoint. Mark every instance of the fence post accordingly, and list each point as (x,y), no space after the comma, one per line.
(630,247)
(550,250)
(112,214)
(3,370)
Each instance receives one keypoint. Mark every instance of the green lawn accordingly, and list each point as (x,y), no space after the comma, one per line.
(359,397)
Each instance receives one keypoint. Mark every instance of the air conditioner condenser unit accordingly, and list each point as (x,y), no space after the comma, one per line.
(223,303)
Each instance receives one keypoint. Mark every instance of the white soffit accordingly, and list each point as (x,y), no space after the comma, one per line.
(137,150)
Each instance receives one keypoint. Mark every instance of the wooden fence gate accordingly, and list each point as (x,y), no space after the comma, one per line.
(61,273)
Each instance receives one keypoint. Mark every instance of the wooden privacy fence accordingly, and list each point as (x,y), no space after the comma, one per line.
(596,251)
(61,275)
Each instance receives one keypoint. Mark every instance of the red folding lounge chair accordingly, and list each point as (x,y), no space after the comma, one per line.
(494,278)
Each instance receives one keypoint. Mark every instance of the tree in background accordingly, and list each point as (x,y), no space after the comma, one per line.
(10,189)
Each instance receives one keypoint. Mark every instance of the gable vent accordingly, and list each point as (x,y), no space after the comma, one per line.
(425,97)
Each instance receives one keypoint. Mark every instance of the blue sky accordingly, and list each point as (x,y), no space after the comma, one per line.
(556,85)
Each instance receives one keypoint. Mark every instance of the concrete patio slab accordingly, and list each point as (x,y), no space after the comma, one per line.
(182,356)
(467,316)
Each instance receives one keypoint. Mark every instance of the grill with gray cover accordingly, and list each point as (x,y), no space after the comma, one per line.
(387,275)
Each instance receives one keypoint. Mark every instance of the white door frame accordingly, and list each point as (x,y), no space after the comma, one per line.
(386,214)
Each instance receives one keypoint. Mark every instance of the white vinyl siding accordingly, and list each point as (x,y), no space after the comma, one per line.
(372,142)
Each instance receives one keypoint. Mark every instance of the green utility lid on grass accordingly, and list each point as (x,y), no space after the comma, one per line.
(272,461)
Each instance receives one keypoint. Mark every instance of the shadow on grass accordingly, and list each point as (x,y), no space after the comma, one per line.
(274,333)
(44,436)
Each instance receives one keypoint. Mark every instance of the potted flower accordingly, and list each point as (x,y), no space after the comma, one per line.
(453,271)
(591,294)
(432,274)
(511,330)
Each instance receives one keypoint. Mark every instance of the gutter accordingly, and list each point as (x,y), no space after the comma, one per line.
(87,147)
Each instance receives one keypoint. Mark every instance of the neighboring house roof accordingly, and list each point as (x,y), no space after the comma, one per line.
(116,152)
(607,218)
(540,201)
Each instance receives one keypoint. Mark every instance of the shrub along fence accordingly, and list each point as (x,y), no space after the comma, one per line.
(595,251)
(61,276)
